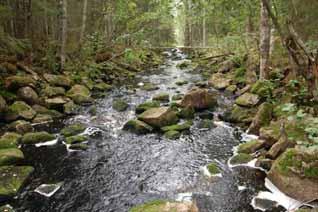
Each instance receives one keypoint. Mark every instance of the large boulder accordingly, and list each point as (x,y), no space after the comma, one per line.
(58,80)
(12,178)
(239,114)
(37,137)
(57,102)
(138,127)
(50,91)
(9,140)
(262,118)
(10,156)
(73,129)
(159,117)
(16,82)
(219,81)
(45,111)
(296,174)
(28,95)
(42,119)
(247,100)
(146,106)
(19,109)
(80,94)
(199,99)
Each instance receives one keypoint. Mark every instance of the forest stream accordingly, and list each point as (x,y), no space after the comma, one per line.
(121,169)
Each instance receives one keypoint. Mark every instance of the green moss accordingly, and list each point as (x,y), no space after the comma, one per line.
(187,113)
(153,206)
(76,139)
(263,88)
(150,87)
(137,127)
(9,140)
(82,147)
(178,127)
(241,159)
(10,156)
(162,97)
(182,82)
(173,135)
(311,172)
(249,147)
(37,137)
(213,169)
(73,129)
(8,95)
(147,105)
(239,75)
(120,105)
(288,160)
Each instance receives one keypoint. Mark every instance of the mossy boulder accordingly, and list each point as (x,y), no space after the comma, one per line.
(70,108)
(79,94)
(16,82)
(37,137)
(173,135)
(149,87)
(28,95)
(73,129)
(50,91)
(295,173)
(241,158)
(206,124)
(12,178)
(182,82)
(100,87)
(146,106)
(187,113)
(250,147)
(247,100)
(159,117)
(199,99)
(76,139)
(162,97)
(58,80)
(10,156)
(213,169)
(178,127)
(42,118)
(21,127)
(43,110)
(231,89)
(19,110)
(219,81)
(9,140)
(262,118)
(262,88)
(56,102)
(241,115)
(79,146)
(120,105)
(138,127)
(165,206)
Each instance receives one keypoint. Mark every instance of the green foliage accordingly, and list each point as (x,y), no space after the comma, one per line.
(263,88)
(240,75)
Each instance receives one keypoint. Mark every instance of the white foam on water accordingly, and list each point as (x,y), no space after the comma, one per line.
(274,194)
(141,84)
(248,137)
(49,143)
(222,124)
(241,188)
(184,197)
(52,192)
(208,174)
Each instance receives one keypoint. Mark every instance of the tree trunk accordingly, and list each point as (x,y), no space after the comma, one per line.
(265,35)
(63,32)
(84,18)
(204,29)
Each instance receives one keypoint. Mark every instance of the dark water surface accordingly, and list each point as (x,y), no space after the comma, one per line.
(120,169)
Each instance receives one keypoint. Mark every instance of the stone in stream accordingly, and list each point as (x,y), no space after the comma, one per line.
(50,91)
(231,89)
(73,129)
(58,80)
(45,111)
(247,100)
(28,95)
(206,124)
(37,137)
(80,94)
(9,140)
(172,135)
(16,82)
(187,112)
(99,87)
(41,118)
(182,82)
(241,158)
(161,97)
(213,169)
(178,127)
(10,156)
(149,87)
(165,206)
(159,117)
(79,146)
(21,127)
(219,81)
(138,127)
(146,106)
(48,190)
(12,178)
(56,102)
(199,99)
(75,139)
(19,109)
(250,147)
(120,105)
(70,108)
(262,118)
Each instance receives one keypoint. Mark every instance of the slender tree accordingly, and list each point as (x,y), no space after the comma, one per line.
(63,32)
(84,18)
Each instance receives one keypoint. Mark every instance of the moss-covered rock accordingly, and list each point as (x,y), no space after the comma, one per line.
(241,158)
(82,147)
(199,99)
(76,139)
(165,206)
(28,95)
(37,137)
(10,156)
(231,89)
(56,102)
(50,91)
(241,115)
(177,97)
(12,178)
(45,111)
(213,169)
(18,110)
(9,140)
(173,135)
(120,105)
(16,82)
(187,113)
(146,106)
(41,118)
(178,127)
(72,130)
(149,87)
(100,87)
(184,65)
(247,100)
(162,97)
(159,117)
(182,82)
(250,147)
(80,94)
(138,127)
(219,81)
(262,118)
(70,108)
(206,124)
(21,127)
(262,88)
(58,80)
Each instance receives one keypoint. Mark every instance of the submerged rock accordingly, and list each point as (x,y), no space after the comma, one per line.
(162,97)
(247,100)
(12,178)
(79,94)
(10,156)
(37,137)
(120,105)
(159,117)
(138,127)
(73,129)
(28,95)
(19,109)
(182,82)
(199,99)
(146,106)
(9,140)
(178,127)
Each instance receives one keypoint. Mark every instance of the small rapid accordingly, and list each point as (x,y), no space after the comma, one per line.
(120,169)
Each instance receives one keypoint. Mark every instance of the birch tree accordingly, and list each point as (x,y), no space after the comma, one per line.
(63,32)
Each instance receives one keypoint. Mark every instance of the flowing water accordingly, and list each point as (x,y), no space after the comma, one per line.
(120,169)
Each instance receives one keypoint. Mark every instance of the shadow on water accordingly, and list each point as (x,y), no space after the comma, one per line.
(120,169)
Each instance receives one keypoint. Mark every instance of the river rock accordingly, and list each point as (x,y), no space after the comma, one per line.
(159,117)
(43,110)
(162,97)
(240,158)
(239,115)
(199,99)
(264,163)
(187,113)
(6,208)
(219,81)
(149,87)
(10,156)
(295,173)
(3,105)
(70,108)
(164,206)
(279,147)
(21,127)
(250,147)
(182,82)
(28,95)
(41,118)
(213,168)
(262,118)
(9,140)
(79,146)
(73,129)
(79,94)
(270,135)
(76,139)
(120,105)
(172,135)
(58,80)
(146,106)
(138,127)
(51,91)
(37,137)
(100,87)
(56,102)
(12,178)
(15,82)
(19,109)
(227,66)
(178,127)
(247,100)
